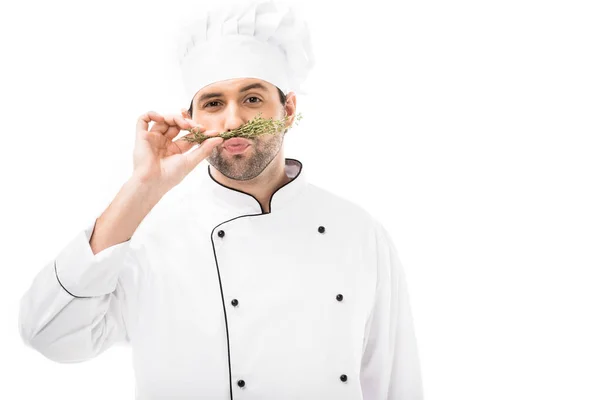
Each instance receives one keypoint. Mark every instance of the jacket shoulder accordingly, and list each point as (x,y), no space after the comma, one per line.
(330,204)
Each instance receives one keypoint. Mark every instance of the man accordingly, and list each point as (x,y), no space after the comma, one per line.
(240,280)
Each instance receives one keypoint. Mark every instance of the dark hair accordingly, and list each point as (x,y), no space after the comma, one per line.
(282,99)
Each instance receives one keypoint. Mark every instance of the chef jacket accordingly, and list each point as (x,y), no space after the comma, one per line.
(219,299)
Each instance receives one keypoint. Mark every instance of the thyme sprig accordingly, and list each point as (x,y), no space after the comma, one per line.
(257,126)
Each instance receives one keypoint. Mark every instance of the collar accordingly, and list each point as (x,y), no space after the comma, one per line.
(242,202)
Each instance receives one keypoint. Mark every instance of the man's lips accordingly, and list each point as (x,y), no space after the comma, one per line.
(236,142)
(236,145)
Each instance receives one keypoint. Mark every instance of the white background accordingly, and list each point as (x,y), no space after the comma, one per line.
(469,128)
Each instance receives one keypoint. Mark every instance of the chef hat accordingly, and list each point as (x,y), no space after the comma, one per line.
(260,39)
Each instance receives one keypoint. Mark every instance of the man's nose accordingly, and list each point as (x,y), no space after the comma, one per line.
(233,118)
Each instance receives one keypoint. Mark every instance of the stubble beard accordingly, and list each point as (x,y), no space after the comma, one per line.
(250,164)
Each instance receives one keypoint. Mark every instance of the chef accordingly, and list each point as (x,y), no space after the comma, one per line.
(244,281)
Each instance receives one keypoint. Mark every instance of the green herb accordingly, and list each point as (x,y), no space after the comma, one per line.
(255,127)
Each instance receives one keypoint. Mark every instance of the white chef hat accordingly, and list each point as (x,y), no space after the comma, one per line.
(260,39)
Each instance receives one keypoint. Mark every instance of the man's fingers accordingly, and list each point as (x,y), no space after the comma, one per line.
(196,126)
(144,120)
(174,124)
(182,122)
(178,121)
(170,125)
(183,144)
(198,154)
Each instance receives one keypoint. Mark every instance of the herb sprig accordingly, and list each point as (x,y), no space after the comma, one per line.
(257,126)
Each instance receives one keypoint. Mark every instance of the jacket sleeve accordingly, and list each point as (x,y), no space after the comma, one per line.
(390,366)
(73,309)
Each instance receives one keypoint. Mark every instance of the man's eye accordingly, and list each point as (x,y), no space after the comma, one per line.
(254,97)
(210,102)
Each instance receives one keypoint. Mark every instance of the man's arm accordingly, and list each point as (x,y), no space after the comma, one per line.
(73,309)
(390,367)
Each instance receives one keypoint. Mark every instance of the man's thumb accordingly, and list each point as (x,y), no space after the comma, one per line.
(203,150)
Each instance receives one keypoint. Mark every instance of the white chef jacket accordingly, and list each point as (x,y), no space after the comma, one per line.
(221,300)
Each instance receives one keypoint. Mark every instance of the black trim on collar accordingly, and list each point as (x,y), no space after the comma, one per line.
(271,198)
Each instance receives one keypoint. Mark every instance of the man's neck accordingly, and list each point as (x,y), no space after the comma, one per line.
(262,187)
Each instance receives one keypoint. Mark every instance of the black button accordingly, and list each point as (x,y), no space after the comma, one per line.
(339,297)
(241,383)
(321,229)
(343,378)
(221,233)
(234,302)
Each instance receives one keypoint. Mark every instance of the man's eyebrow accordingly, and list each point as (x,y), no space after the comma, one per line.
(256,85)
(207,96)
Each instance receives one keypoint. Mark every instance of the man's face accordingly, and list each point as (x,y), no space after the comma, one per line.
(226,105)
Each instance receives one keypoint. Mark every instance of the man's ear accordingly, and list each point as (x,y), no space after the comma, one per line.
(290,107)
(290,103)
(185,113)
